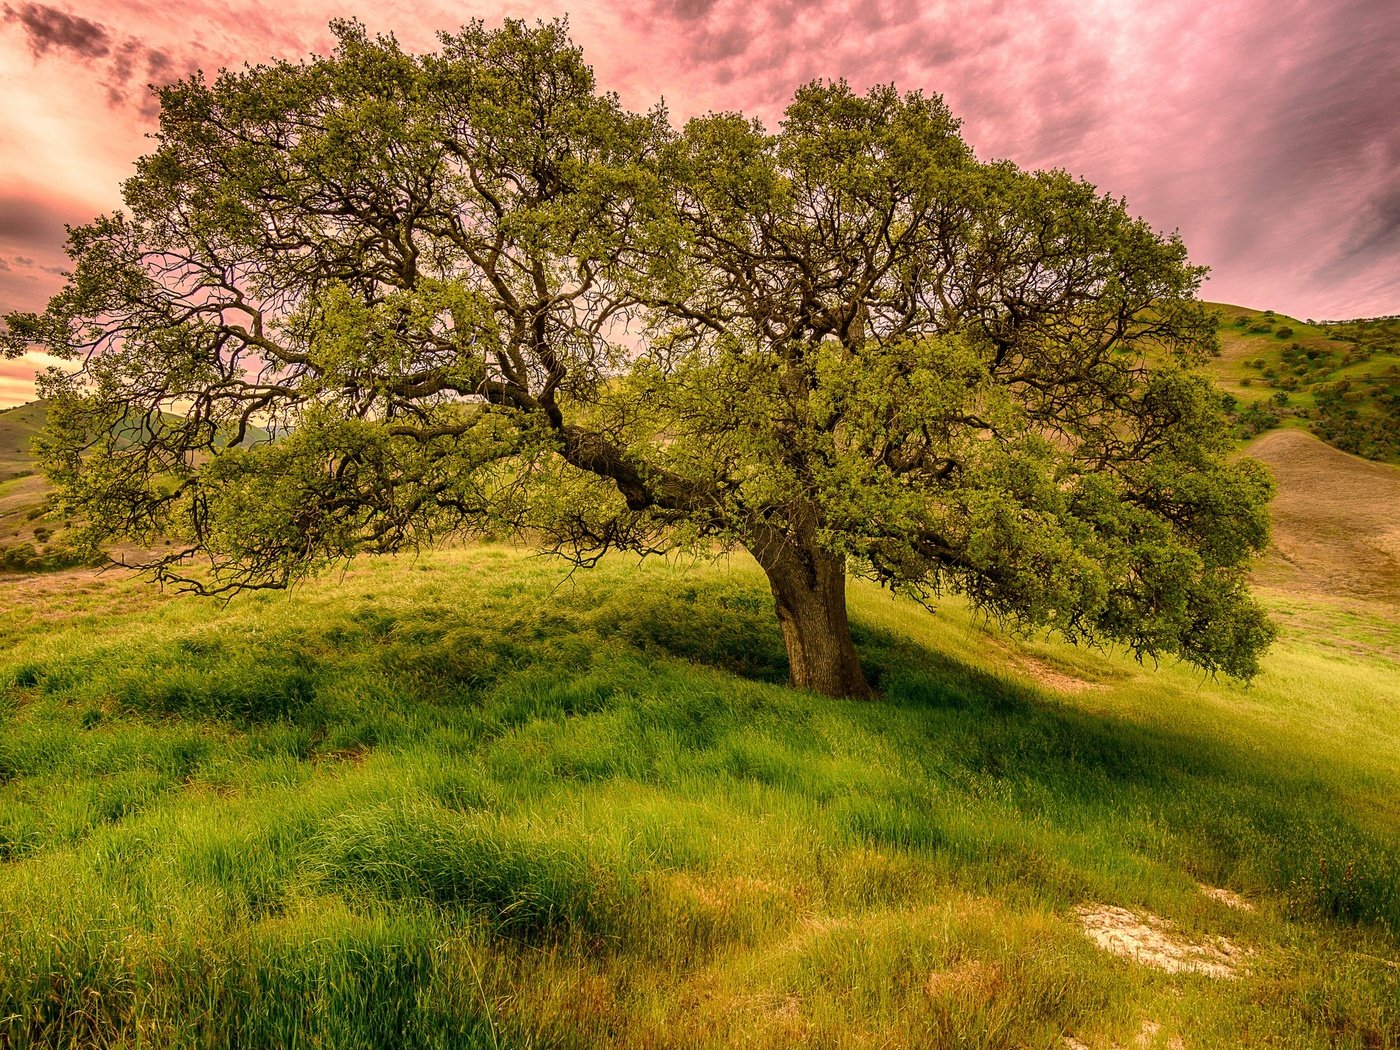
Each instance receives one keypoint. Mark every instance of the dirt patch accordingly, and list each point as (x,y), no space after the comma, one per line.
(1154,941)
(1229,898)
(1146,1037)
(1049,677)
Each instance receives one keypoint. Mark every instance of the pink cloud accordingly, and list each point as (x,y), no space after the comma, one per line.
(1264,131)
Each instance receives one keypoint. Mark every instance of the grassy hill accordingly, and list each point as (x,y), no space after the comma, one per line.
(470,800)
(22,491)
(31,539)
(1336,519)
(18,426)
(1339,380)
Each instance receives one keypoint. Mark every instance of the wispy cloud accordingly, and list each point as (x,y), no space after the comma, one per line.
(129,65)
(48,28)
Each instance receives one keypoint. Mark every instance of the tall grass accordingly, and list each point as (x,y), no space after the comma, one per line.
(471,800)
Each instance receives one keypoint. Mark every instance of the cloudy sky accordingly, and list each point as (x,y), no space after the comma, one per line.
(1266,131)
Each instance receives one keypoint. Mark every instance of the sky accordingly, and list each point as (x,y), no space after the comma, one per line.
(1266,131)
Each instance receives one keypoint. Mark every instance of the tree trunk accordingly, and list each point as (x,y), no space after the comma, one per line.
(809,591)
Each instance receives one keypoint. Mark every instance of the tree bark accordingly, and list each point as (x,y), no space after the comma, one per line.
(809,592)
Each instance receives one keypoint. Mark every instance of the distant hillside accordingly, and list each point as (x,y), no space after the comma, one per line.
(21,490)
(1339,380)
(1336,519)
(30,538)
(17,428)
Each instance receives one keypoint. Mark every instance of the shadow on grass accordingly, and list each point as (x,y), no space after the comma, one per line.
(1223,805)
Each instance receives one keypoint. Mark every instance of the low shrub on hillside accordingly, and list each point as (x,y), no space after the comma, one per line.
(25,557)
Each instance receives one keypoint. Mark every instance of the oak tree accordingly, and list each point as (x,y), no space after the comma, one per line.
(373,298)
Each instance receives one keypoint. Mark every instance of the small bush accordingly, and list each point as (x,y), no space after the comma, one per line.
(25,557)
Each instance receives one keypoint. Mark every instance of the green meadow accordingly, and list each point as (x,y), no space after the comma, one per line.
(471,799)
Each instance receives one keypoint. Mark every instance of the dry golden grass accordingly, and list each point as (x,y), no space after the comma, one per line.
(21,500)
(1336,520)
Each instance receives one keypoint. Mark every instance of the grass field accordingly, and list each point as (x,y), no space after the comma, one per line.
(470,800)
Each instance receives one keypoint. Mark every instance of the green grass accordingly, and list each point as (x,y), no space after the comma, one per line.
(22,497)
(471,800)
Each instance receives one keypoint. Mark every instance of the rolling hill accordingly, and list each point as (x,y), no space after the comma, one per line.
(470,800)
(22,491)
(17,429)
(1339,380)
(24,524)
(1336,519)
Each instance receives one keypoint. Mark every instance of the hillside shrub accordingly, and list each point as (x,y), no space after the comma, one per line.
(25,557)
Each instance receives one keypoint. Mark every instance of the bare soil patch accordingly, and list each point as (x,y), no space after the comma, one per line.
(1050,677)
(1154,941)
(1229,898)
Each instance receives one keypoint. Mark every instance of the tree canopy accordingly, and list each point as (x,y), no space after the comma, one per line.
(373,298)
